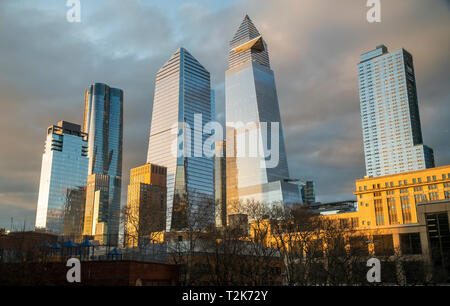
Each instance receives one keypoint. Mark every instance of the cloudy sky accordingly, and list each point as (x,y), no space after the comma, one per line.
(47,62)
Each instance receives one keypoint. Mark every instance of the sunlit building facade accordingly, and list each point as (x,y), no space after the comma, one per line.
(182,92)
(392,199)
(390,114)
(103,121)
(97,206)
(146,204)
(64,169)
(252,111)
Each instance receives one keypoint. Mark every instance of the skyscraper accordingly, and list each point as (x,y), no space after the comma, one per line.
(74,214)
(64,170)
(308,192)
(182,92)
(390,114)
(251,99)
(96,207)
(146,204)
(103,121)
(220,189)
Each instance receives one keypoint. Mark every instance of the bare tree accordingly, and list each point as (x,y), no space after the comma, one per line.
(141,226)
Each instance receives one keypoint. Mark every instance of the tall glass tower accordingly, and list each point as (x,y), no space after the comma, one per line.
(103,121)
(64,171)
(390,114)
(182,92)
(251,99)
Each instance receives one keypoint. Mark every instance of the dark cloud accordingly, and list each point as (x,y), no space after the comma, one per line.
(314,46)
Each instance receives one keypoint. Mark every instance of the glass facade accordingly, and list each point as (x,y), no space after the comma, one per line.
(182,90)
(220,189)
(103,121)
(74,214)
(252,109)
(390,114)
(308,192)
(64,171)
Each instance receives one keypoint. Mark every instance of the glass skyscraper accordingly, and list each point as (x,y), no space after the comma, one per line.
(251,99)
(64,172)
(182,91)
(390,114)
(220,191)
(103,121)
(308,192)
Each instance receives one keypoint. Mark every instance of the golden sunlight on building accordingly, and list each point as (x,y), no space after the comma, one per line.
(145,215)
(398,215)
(392,199)
(96,208)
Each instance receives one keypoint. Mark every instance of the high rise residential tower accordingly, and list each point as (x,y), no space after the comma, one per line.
(390,114)
(182,93)
(103,121)
(63,173)
(251,99)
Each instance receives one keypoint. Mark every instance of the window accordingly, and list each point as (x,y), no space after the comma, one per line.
(447,194)
(379,212)
(343,223)
(392,211)
(404,190)
(414,180)
(443,176)
(420,188)
(410,244)
(420,198)
(354,222)
(406,209)
(428,178)
(431,187)
(390,192)
(446,185)
(433,196)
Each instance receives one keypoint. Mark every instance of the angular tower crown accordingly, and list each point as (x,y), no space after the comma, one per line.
(248,45)
(246,32)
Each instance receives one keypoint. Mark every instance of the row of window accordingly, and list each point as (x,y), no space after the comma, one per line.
(405,182)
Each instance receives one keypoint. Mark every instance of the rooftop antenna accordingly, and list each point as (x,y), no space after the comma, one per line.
(11,228)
